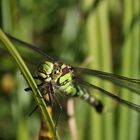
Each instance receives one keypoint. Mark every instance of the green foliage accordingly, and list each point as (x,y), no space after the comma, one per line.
(97,34)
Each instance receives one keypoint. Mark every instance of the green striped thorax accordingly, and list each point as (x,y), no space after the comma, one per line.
(59,74)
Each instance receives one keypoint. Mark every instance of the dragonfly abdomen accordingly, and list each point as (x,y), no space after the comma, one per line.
(67,87)
(83,94)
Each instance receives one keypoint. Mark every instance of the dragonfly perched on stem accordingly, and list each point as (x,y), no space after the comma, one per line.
(58,77)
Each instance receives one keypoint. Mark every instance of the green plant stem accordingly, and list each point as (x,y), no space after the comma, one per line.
(92,31)
(106,63)
(31,83)
(134,120)
(123,130)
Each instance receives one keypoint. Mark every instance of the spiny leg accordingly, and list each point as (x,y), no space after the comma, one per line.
(59,113)
(50,93)
(29,89)
(35,108)
(41,88)
(57,101)
(35,77)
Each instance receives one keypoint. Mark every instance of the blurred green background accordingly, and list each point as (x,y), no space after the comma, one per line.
(98,34)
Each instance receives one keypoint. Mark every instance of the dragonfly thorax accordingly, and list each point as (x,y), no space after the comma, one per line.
(57,74)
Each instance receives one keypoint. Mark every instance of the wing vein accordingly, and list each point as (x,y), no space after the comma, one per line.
(113,96)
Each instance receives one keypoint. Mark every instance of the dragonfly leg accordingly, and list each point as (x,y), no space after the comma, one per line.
(35,77)
(35,108)
(59,113)
(29,88)
(51,94)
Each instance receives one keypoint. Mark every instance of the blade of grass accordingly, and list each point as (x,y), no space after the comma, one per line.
(106,66)
(124,117)
(123,130)
(13,23)
(31,83)
(92,34)
(134,120)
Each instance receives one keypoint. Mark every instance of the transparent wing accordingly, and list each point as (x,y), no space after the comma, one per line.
(115,97)
(129,83)
(27,45)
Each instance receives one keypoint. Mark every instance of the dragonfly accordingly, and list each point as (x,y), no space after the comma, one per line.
(56,76)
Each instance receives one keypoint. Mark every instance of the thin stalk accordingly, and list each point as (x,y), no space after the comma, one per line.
(9,24)
(106,66)
(31,83)
(92,35)
(134,120)
(72,121)
(123,130)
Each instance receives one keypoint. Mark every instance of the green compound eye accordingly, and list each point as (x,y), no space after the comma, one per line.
(47,68)
(42,75)
(44,70)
